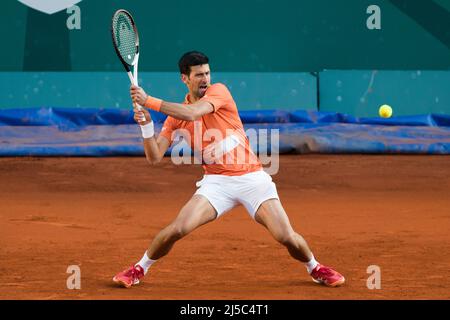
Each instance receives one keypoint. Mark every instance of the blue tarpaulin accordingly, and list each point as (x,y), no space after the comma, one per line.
(110,132)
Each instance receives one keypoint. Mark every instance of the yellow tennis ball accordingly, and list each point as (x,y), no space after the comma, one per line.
(385,111)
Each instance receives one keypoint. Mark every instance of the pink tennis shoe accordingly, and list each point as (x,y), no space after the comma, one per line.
(320,274)
(129,277)
(327,276)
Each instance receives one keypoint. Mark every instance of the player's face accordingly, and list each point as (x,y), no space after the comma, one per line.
(198,80)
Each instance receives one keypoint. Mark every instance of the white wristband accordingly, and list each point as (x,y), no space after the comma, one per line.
(148,130)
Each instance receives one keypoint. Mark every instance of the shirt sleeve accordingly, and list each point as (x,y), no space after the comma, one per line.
(218,95)
(169,126)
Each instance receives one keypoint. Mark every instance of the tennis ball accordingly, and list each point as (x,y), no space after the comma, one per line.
(385,111)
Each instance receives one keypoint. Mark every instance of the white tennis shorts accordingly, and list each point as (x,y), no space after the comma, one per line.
(226,192)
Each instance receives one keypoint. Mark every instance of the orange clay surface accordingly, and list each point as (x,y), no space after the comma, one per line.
(101,213)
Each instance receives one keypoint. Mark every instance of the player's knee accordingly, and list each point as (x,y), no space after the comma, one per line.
(177,232)
(285,238)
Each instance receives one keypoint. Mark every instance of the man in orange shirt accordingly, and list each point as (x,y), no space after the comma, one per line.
(233,173)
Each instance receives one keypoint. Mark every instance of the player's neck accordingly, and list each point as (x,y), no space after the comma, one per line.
(192,98)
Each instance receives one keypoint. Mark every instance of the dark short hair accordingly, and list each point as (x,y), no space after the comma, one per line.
(189,59)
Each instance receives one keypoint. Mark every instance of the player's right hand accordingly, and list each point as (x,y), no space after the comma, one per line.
(141,115)
(138,95)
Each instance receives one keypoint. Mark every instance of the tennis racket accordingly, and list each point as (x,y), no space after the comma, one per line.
(126,43)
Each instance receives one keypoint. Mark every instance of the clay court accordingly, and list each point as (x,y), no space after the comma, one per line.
(100,213)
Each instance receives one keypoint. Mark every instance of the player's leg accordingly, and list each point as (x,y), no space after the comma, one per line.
(257,192)
(196,212)
(272,216)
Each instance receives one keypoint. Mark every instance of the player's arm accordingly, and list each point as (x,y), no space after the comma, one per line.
(187,112)
(154,148)
(178,111)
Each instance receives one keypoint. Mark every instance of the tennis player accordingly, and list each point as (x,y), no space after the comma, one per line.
(233,174)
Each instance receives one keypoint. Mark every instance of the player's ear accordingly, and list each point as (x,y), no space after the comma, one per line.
(184,78)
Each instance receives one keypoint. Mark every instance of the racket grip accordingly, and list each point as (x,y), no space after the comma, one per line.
(143,116)
(133,80)
(141,108)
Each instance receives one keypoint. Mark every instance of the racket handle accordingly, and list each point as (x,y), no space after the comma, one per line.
(141,108)
(135,71)
(131,77)
(133,81)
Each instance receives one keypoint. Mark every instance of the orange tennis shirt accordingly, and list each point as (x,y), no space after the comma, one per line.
(221,127)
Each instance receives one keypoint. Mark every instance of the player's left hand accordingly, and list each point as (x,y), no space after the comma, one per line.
(138,95)
(141,116)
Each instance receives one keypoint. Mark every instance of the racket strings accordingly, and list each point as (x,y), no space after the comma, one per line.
(125,37)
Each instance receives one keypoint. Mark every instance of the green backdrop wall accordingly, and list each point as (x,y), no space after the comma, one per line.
(361,93)
(264,50)
(251,35)
(251,90)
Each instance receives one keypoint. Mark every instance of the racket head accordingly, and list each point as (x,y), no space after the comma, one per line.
(125,38)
